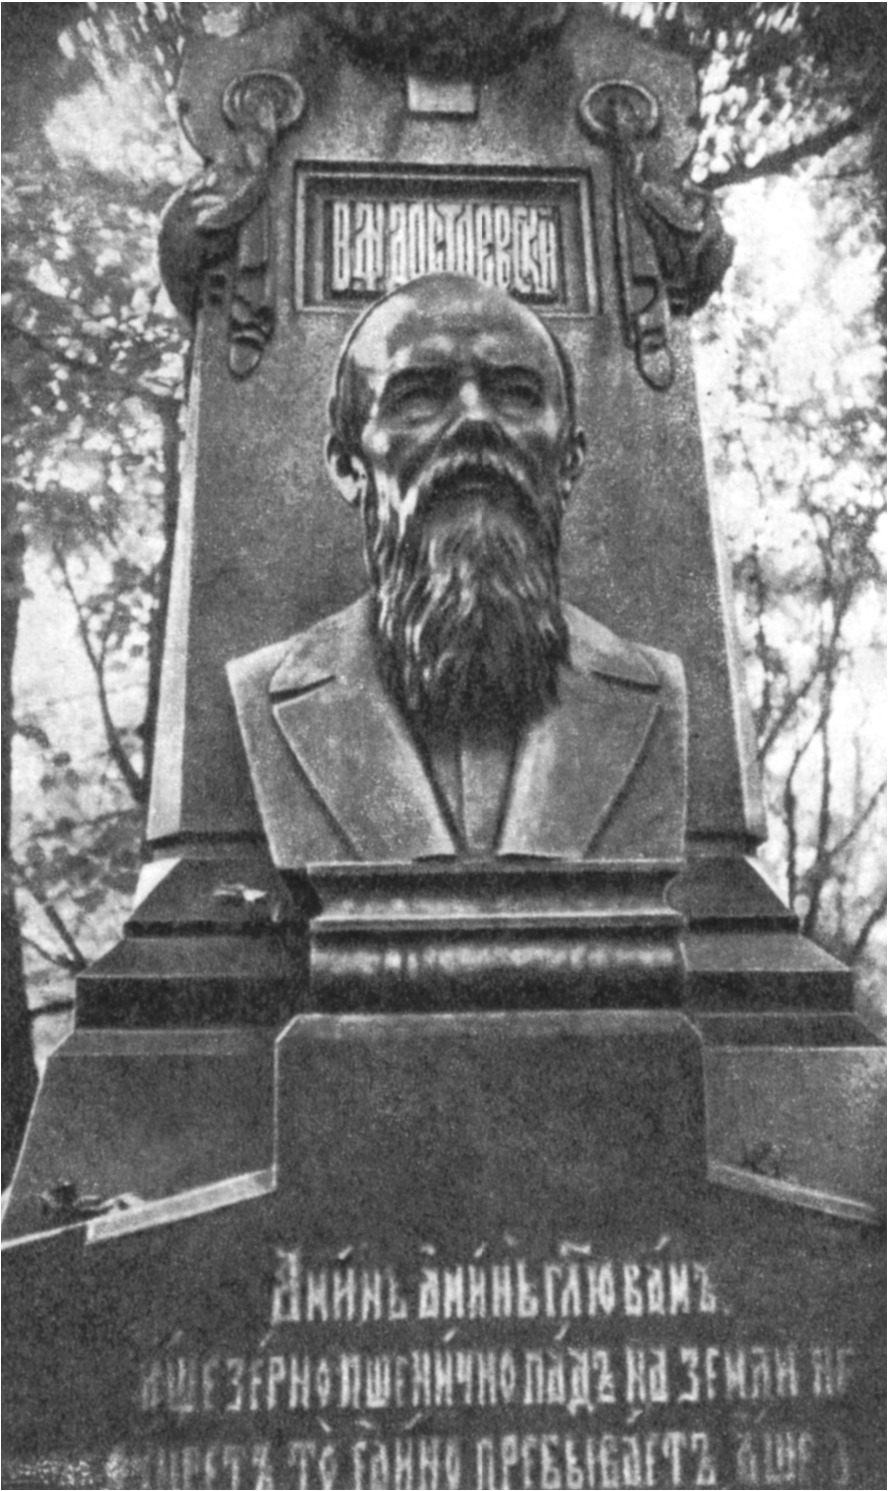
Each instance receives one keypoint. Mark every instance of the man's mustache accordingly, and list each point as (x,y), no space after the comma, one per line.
(488,459)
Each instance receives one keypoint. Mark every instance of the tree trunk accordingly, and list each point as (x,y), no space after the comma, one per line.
(19,1072)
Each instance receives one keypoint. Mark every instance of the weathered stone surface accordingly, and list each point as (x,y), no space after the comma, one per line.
(486,1257)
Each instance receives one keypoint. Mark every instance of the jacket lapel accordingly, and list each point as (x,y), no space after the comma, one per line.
(576,761)
(353,744)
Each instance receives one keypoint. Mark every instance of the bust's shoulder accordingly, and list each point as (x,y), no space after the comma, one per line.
(302,659)
(595,649)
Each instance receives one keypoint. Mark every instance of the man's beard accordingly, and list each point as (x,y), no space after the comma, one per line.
(468,614)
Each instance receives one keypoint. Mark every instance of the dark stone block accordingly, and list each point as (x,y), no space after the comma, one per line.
(142,1114)
(486,1256)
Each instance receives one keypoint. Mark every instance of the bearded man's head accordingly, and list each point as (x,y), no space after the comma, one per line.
(453,428)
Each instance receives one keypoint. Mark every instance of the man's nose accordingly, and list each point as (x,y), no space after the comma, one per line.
(471,404)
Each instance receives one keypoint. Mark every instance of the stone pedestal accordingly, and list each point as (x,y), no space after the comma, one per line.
(478,1251)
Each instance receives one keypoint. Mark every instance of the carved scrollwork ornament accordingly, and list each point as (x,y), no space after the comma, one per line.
(224,215)
(672,251)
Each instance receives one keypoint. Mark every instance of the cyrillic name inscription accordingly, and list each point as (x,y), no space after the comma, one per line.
(362,232)
(377,245)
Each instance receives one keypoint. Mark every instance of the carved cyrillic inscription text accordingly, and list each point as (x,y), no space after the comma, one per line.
(496,1372)
(378,245)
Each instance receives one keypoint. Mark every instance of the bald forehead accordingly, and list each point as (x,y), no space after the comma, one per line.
(436,318)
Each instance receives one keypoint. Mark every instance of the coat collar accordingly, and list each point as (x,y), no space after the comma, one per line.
(570,769)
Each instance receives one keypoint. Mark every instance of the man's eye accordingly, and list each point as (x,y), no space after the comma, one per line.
(513,391)
(415,399)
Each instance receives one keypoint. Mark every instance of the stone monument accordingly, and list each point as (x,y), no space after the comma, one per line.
(460,1107)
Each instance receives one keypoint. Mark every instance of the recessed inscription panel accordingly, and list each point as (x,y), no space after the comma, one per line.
(361,234)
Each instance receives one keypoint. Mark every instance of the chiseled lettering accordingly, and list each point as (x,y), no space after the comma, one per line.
(399,273)
(705,1469)
(556,1386)
(465,1377)
(655,1287)
(181,1384)
(689,1356)
(380,1479)
(633,1299)
(340,268)
(300,1382)
(579,1382)
(209,1383)
(344,1293)
(534,1379)
(317,1306)
(235,1370)
(285,1297)
(464,242)
(429,1295)
(378,245)
(257,1384)
(371,1295)
(574,1476)
(421,1362)
(609,1462)
(601,1288)
(508,1376)
(501,1291)
(378,1382)
(416,239)
(263,1475)
(679,1289)
(831,1368)
(786,1372)
(605,1381)
(328,1467)
(735,1373)
(443,1369)
(548,257)
(707,1303)
(350,1380)
(571,1302)
(398,1307)
(485,267)
(428,1463)
(528,1296)
(476,1301)
(502,246)
(487,1378)
(452,1293)
(711,1359)
(675,1443)
(759,1372)
(522,281)
(323,1382)
(402,1465)
(485,1465)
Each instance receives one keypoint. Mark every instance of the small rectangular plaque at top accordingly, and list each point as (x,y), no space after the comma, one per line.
(366,232)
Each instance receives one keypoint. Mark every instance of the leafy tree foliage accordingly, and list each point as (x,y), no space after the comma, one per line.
(792,102)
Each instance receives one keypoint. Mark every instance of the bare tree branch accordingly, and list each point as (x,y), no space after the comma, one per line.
(134,781)
(783,160)
(872,920)
(848,838)
(78,961)
(58,960)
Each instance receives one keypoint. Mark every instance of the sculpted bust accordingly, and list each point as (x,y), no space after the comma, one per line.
(460,709)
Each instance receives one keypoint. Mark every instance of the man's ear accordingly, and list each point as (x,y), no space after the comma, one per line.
(347,471)
(574,456)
